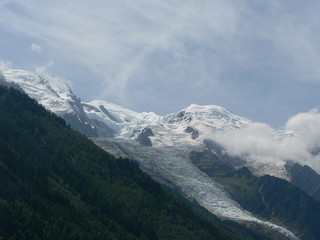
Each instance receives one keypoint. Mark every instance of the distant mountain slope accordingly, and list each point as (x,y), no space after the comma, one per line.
(305,178)
(57,184)
(268,197)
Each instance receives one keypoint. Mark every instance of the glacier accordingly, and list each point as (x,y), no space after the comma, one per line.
(172,166)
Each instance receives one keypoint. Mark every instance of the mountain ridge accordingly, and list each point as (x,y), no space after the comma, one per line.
(144,136)
(189,126)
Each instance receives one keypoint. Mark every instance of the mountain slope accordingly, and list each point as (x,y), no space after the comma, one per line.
(268,197)
(188,126)
(56,184)
(305,178)
(55,95)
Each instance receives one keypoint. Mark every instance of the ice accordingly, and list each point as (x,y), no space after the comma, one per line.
(55,96)
(172,166)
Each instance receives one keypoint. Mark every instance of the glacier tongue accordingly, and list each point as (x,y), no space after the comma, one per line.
(171,165)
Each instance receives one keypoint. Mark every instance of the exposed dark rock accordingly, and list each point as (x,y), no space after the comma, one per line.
(102,129)
(143,137)
(223,155)
(181,116)
(215,147)
(106,112)
(305,178)
(80,124)
(194,132)
(212,164)
(79,120)
(89,107)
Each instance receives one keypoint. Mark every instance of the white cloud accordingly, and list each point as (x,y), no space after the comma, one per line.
(36,48)
(307,128)
(55,81)
(5,65)
(119,41)
(259,142)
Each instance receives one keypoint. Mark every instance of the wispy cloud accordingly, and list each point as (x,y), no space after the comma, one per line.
(55,81)
(195,48)
(5,64)
(36,48)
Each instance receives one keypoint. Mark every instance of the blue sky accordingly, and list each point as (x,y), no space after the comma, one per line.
(260,59)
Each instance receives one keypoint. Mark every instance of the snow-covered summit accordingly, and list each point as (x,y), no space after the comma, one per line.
(55,95)
(218,115)
(124,122)
(209,117)
(118,113)
(189,125)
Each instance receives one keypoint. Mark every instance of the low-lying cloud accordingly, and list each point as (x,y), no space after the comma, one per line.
(298,142)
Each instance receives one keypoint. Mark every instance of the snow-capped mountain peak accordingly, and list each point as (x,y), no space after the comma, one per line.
(108,119)
(54,95)
(209,116)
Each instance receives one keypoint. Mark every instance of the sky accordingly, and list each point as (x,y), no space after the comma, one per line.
(259,59)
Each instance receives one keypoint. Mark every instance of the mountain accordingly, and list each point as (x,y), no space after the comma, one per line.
(305,178)
(189,126)
(162,146)
(54,95)
(57,184)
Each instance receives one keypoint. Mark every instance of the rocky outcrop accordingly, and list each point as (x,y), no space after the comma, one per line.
(143,137)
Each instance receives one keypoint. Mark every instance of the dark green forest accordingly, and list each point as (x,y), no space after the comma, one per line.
(57,184)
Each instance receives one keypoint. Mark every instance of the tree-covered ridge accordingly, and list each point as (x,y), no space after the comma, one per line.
(57,184)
